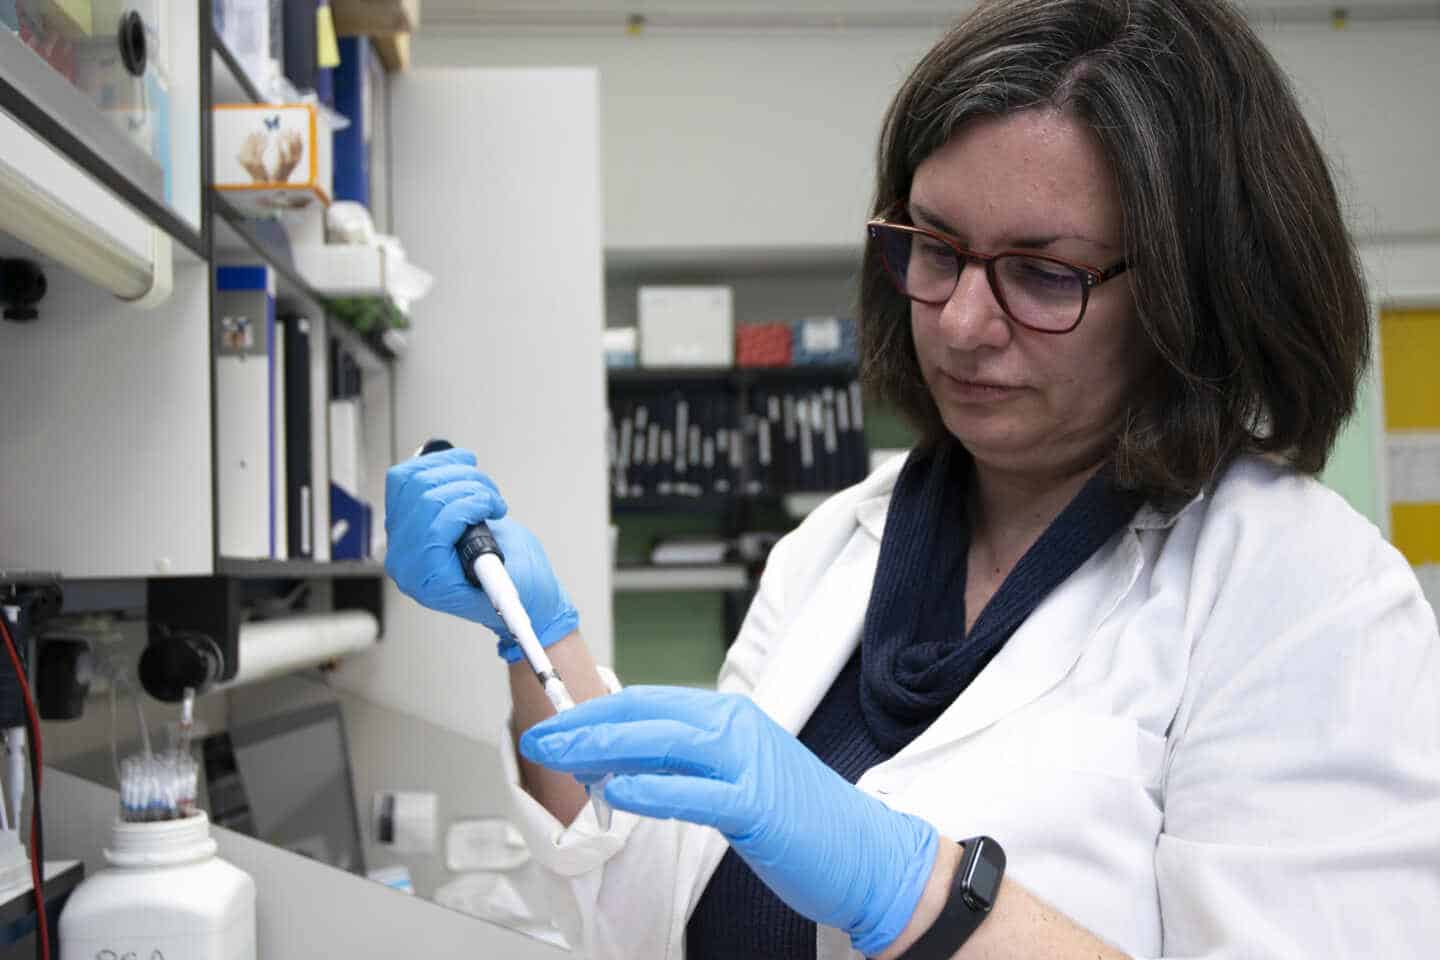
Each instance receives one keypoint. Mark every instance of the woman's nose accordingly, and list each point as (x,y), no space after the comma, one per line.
(973,317)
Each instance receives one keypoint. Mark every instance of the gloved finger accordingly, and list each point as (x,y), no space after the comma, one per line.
(473,485)
(458,516)
(699,708)
(460,489)
(710,803)
(450,472)
(420,518)
(638,746)
(400,474)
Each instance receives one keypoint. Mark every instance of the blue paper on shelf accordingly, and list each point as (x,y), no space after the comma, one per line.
(817,341)
(352,145)
(349,526)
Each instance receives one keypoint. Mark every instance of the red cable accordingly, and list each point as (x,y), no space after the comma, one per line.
(34,715)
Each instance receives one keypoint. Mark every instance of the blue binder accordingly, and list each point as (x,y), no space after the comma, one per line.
(352,145)
(349,526)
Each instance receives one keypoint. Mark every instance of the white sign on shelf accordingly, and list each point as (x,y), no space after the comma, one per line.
(1413,467)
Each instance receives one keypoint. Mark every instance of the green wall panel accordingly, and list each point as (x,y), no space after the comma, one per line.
(1352,471)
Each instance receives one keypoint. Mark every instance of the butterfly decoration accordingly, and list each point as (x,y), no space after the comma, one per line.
(272,123)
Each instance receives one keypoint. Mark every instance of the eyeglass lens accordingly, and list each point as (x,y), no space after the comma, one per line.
(1035,291)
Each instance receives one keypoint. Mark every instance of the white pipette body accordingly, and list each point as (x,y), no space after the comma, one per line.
(498,586)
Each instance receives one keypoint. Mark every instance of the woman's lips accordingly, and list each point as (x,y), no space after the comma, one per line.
(977,391)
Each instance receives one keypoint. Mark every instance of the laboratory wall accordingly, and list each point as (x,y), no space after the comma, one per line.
(725,146)
(715,140)
(506,359)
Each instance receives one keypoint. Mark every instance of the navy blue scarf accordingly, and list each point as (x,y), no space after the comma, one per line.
(914,659)
(915,654)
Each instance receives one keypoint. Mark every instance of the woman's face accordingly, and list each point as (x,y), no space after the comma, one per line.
(1017,399)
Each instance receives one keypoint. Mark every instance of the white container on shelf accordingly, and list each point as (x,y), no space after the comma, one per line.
(686,326)
(361,270)
(165,893)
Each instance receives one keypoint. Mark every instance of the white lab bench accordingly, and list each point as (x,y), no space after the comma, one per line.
(304,909)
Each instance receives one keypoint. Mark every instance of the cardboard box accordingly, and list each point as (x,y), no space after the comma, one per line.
(271,157)
(394,51)
(686,327)
(375,18)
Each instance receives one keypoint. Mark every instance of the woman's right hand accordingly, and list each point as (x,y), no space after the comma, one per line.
(430,501)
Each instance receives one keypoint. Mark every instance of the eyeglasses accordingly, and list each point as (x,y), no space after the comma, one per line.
(1042,293)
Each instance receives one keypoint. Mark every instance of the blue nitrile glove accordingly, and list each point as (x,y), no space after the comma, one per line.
(833,853)
(429,502)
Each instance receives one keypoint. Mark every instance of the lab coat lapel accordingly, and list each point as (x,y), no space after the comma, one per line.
(817,644)
(1044,648)
(821,638)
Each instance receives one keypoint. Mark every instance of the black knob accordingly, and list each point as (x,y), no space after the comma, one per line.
(173,661)
(131,37)
(22,285)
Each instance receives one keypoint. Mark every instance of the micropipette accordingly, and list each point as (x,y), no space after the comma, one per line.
(484,567)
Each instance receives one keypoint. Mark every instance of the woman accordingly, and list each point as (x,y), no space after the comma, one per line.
(1101,669)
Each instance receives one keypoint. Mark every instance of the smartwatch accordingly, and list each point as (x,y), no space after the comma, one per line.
(972,894)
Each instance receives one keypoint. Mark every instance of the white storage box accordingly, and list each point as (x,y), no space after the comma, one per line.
(687,327)
(361,270)
(270,157)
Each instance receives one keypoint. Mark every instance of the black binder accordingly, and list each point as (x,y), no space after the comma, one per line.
(299,489)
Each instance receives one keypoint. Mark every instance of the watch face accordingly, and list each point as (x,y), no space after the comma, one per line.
(983,883)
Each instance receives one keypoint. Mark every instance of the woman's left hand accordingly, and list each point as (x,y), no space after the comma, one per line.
(833,853)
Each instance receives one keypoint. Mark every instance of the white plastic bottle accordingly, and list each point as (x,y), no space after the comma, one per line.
(165,896)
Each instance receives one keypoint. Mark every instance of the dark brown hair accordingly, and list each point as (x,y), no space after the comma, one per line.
(1245,279)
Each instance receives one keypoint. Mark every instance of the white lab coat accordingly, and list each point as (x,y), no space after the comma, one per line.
(1220,737)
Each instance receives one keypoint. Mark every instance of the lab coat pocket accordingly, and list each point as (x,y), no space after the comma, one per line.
(1085,743)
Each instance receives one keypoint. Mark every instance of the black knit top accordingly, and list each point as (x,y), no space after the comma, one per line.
(913,660)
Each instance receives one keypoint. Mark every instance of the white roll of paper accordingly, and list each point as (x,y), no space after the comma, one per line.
(269,648)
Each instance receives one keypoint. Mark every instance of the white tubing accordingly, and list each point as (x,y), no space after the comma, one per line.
(269,648)
(15,747)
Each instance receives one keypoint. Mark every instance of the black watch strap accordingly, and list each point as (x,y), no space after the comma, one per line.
(972,894)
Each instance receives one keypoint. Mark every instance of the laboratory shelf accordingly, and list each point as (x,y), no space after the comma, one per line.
(296,569)
(657,578)
(229,81)
(60,114)
(237,236)
(676,264)
(737,376)
(658,503)
(373,355)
